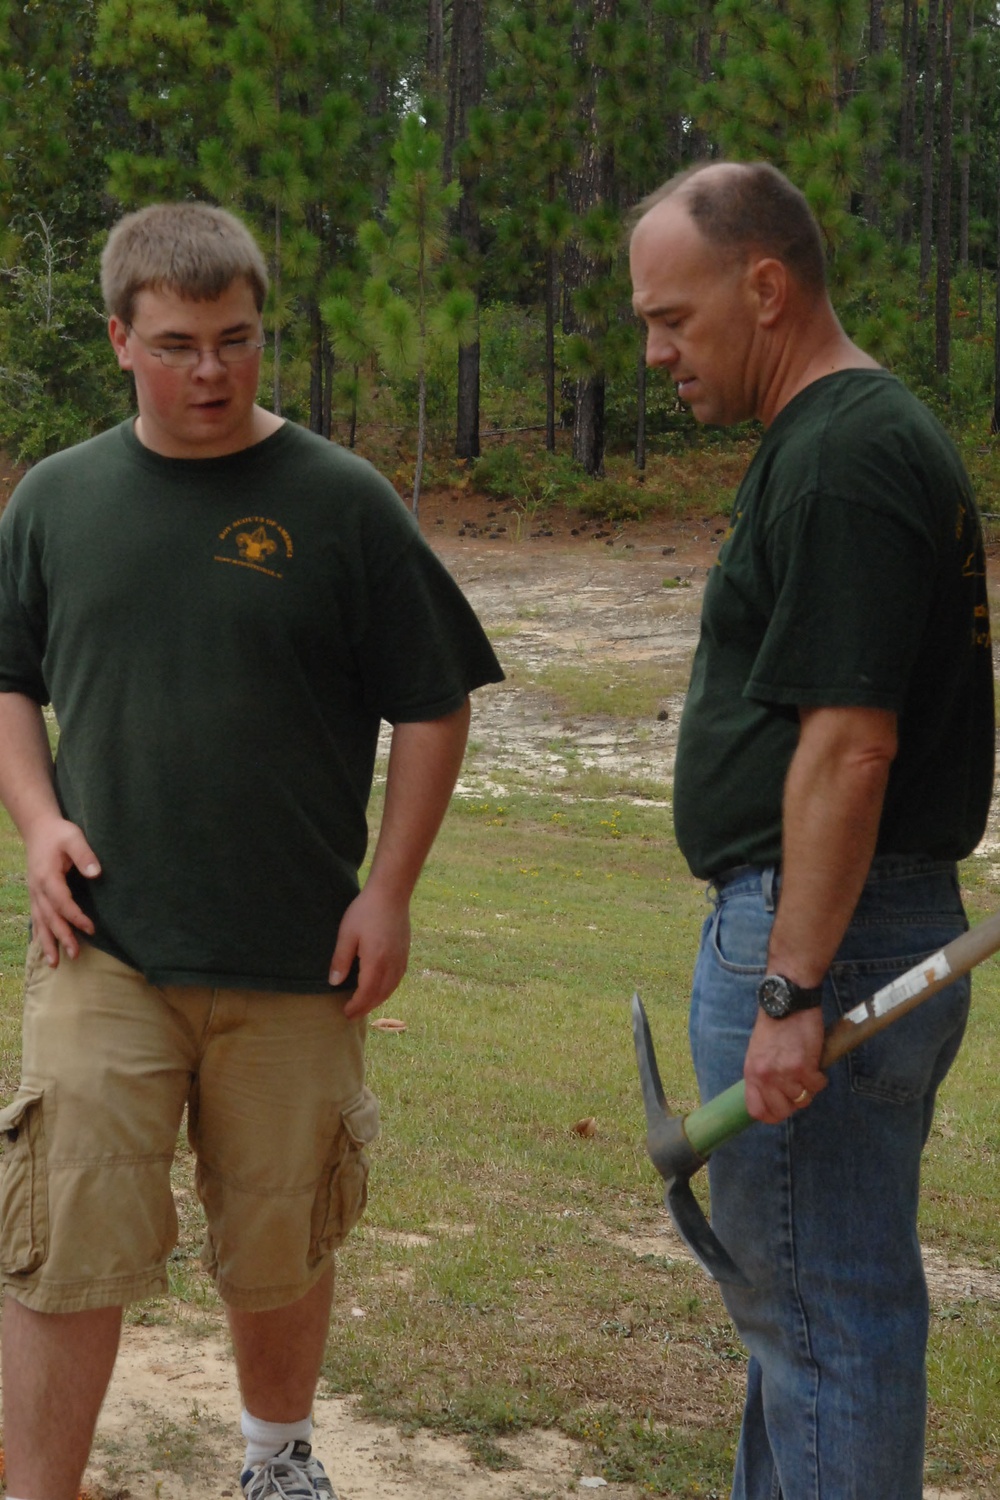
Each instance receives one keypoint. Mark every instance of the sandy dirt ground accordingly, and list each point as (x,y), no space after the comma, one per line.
(169,1428)
(164,1375)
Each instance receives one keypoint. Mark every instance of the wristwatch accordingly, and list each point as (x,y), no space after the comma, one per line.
(780,997)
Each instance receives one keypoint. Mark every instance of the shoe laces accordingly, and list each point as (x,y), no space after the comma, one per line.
(292,1474)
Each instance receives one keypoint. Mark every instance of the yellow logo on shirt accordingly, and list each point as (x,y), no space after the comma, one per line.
(255,542)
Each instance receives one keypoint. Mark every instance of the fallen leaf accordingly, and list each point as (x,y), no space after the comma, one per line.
(586,1128)
(388,1023)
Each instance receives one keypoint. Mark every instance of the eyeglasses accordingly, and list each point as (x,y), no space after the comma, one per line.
(187,356)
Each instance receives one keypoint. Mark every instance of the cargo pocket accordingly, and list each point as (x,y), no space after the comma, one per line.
(343,1191)
(24,1206)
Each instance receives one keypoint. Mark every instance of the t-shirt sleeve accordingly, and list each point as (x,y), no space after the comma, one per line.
(423,649)
(852,589)
(22,632)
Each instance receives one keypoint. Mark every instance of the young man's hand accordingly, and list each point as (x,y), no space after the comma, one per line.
(375,930)
(54,846)
(424,760)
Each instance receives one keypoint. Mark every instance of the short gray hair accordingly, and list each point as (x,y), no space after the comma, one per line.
(749,208)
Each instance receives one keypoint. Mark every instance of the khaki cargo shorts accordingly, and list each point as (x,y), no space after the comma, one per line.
(278,1118)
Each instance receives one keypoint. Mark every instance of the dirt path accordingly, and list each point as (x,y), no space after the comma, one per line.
(595,608)
(169,1429)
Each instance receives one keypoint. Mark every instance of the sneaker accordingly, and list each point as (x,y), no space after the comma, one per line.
(292,1474)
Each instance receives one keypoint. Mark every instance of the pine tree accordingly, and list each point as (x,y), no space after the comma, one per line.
(530,152)
(942,294)
(57,383)
(467,75)
(412,309)
(161,57)
(927,152)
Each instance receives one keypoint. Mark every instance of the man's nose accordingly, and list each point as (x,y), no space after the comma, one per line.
(660,348)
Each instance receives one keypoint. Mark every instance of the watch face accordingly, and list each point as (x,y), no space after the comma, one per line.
(775,996)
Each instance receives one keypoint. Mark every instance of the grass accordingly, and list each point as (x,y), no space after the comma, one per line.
(530,1300)
(637,690)
(511,1272)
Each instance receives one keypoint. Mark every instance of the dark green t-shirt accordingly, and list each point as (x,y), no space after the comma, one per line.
(220,639)
(853,574)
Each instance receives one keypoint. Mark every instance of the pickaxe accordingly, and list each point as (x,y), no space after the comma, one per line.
(679,1146)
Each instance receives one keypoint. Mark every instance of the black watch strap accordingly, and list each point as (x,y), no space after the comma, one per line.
(779,997)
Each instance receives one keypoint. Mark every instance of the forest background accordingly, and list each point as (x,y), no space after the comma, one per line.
(441,191)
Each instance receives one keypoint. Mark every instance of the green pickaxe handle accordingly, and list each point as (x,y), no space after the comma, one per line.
(716,1122)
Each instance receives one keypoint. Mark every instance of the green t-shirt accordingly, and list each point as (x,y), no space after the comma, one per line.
(220,639)
(853,574)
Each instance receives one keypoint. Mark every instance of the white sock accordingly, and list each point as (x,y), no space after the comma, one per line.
(265,1439)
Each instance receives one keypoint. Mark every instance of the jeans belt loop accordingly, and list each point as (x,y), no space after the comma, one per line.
(767,879)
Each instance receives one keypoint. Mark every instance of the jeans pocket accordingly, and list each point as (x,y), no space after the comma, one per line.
(909,1058)
(739,934)
(24,1201)
(343,1191)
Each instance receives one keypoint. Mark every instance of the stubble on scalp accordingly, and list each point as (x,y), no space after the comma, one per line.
(747,210)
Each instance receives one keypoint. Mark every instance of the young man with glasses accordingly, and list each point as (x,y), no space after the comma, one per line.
(221,608)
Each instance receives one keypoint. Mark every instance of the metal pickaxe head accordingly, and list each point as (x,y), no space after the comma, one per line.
(676,1160)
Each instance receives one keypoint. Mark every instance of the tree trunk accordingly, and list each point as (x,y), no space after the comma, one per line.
(352,434)
(942,298)
(873,167)
(674,133)
(435,41)
(995,423)
(907,118)
(589,185)
(326,428)
(550,347)
(276,383)
(702,69)
(588,424)
(640,403)
(418,473)
(927,171)
(315,368)
(965,160)
(467,44)
(467,426)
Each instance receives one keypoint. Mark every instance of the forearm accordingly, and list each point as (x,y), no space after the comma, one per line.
(26,784)
(831,812)
(424,762)
(53,845)
(832,808)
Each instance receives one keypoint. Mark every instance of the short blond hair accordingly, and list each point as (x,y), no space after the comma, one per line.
(193,249)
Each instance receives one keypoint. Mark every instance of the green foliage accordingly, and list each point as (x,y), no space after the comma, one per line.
(304,117)
(414,314)
(532,480)
(59,383)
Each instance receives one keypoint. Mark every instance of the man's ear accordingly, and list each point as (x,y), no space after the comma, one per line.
(118,334)
(769,282)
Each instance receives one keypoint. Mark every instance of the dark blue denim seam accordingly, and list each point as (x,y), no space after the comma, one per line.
(803,1340)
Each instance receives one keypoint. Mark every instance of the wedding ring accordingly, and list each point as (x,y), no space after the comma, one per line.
(803,1098)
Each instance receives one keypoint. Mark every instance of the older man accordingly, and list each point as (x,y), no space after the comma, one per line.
(835,760)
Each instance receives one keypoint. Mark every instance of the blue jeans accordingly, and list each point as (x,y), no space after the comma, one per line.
(821,1211)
